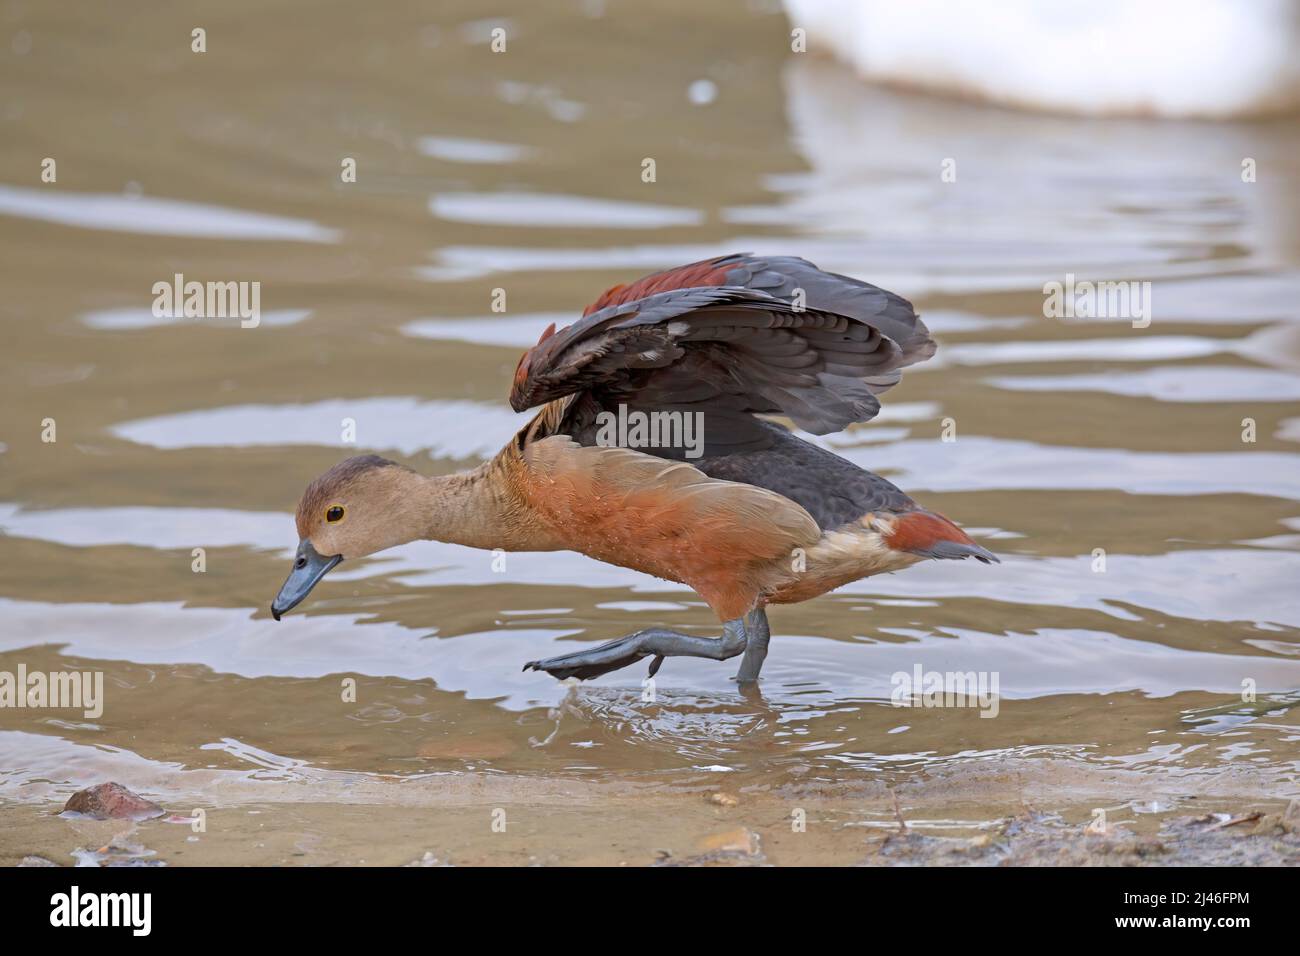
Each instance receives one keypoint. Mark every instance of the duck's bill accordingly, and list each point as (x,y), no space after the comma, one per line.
(309,567)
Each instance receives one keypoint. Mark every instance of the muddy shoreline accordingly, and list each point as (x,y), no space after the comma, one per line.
(1016,815)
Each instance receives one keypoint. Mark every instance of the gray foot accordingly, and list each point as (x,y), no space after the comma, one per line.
(655,642)
(758,633)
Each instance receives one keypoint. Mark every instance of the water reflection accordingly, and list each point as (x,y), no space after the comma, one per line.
(1073,436)
(147,215)
(535,209)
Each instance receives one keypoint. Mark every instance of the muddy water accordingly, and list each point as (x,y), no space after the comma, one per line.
(1150,554)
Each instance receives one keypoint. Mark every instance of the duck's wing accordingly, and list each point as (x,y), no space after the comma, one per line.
(733,337)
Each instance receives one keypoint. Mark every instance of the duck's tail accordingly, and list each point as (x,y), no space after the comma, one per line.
(932,535)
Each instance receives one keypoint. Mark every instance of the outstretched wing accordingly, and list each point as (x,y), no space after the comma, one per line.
(733,337)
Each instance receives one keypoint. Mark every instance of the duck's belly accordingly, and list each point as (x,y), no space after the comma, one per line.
(846,554)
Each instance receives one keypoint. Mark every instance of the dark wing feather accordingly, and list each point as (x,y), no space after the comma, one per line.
(834,491)
(777,336)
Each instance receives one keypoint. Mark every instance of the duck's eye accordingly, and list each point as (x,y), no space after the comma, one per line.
(335,513)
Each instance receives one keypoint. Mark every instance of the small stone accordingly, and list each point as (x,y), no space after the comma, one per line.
(37,861)
(740,840)
(724,799)
(112,801)
(1243,818)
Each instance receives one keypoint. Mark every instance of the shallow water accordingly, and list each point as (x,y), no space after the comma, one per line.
(1119,687)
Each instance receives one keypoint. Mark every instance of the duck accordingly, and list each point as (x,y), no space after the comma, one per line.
(747,513)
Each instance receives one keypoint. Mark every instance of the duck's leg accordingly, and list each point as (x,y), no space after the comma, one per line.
(656,642)
(758,634)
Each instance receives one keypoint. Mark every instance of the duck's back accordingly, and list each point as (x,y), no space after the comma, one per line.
(835,491)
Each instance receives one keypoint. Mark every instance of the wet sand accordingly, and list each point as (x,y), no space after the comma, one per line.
(1121,689)
(963,817)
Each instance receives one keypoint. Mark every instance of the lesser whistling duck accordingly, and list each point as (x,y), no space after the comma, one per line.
(759,517)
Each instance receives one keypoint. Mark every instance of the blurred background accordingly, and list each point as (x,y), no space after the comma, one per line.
(958,160)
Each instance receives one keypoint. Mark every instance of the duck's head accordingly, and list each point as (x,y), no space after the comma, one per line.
(358,507)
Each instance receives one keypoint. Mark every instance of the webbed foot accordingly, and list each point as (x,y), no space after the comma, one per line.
(654,642)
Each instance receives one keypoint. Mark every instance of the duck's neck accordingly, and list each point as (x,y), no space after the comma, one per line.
(475,508)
